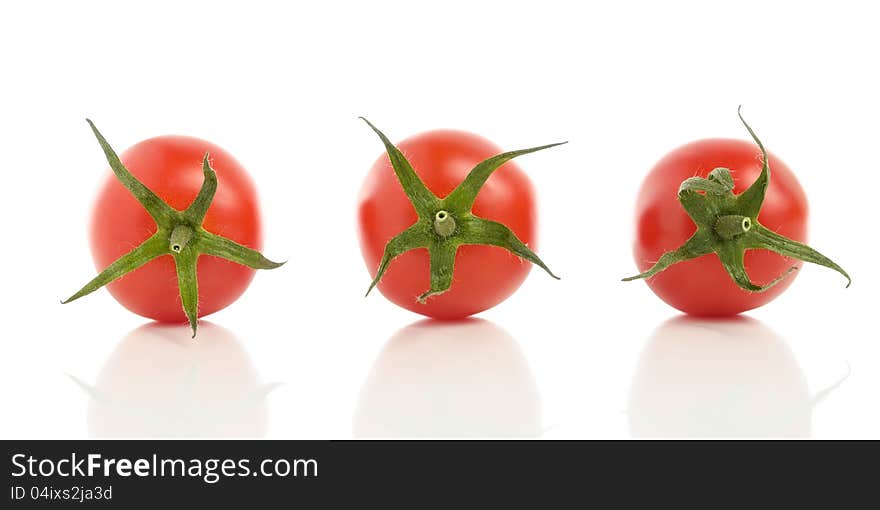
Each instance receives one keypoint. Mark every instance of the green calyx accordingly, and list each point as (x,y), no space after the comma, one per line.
(178,233)
(727,225)
(444,224)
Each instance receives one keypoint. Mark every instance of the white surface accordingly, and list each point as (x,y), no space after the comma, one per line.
(282,89)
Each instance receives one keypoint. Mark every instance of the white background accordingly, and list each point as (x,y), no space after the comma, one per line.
(281,87)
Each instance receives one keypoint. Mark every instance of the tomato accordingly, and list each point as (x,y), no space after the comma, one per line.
(715,234)
(164,223)
(171,166)
(701,286)
(483,275)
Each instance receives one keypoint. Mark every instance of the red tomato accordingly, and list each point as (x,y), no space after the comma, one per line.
(701,286)
(171,166)
(484,275)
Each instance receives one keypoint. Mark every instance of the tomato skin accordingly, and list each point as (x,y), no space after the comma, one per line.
(171,166)
(484,275)
(701,286)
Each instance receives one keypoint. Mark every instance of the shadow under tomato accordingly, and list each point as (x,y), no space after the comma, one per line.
(449,379)
(159,382)
(720,378)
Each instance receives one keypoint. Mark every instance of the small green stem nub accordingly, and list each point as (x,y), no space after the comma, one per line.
(732,225)
(444,224)
(180,237)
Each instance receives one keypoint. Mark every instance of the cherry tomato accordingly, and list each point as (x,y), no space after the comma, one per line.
(701,286)
(171,166)
(484,275)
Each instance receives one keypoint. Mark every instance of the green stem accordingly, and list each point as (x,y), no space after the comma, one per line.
(180,237)
(729,226)
(444,224)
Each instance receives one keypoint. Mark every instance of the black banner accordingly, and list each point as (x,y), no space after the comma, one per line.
(411,474)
